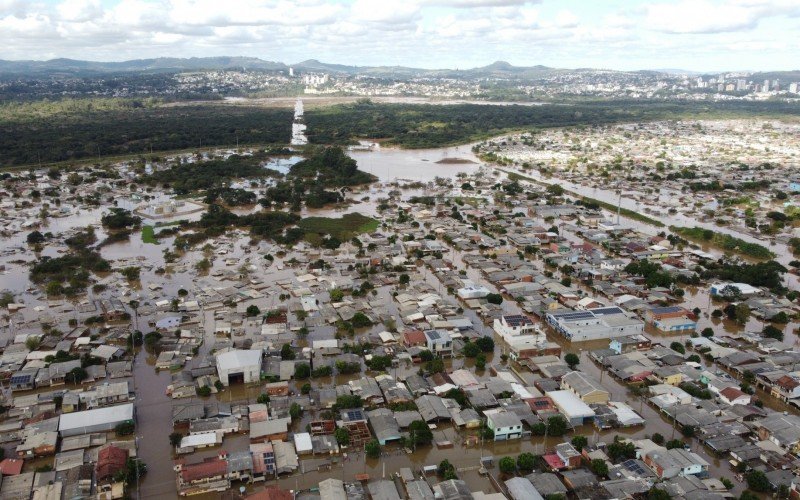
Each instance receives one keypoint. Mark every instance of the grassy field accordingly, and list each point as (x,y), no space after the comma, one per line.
(149,235)
(724,242)
(343,228)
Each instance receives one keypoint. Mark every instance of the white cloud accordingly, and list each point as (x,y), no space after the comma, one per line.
(80,10)
(704,16)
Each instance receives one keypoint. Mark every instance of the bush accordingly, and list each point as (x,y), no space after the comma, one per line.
(360,320)
(507,465)
(322,371)
(599,467)
(480,362)
(526,461)
(471,350)
(420,433)
(678,347)
(757,481)
(579,442)
(342,436)
(302,371)
(175,438)
(373,448)
(657,439)
(494,298)
(572,360)
(485,343)
(252,310)
(204,391)
(125,428)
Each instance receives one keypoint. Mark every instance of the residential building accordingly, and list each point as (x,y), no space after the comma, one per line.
(439,342)
(586,387)
(505,424)
(239,366)
(603,323)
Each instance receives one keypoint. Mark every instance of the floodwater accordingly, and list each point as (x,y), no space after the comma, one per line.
(390,164)
(154,407)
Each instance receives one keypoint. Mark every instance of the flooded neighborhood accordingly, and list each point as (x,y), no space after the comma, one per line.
(598,312)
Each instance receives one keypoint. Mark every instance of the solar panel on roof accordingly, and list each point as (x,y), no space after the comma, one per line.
(21,379)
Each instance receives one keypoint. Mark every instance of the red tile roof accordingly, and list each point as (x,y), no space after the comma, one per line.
(211,467)
(11,466)
(414,337)
(270,493)
(110,460)
(731,393)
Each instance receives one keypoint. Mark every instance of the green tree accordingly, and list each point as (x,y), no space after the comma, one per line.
(757,481)
(175,439)
(675,443)
(485,343)
(305,389)
(125,428)
(471,349)
(707,332)
(295,410)
(507,465)
(599,467)
(252,311)
(360,320)
(420,433)
(657,494)
(342,436)
(302,371)
(579,442)
(742,313)
(678,347)
(287,353)
(619,450)
(480,362)
(526,461)
(657,439)
(556,426)
(263,398)
(373,448)
(494,298)
(572,360)
(404,279)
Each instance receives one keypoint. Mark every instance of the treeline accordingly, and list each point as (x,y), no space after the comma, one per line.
(76,129)
(188,177)
(422,126)
(723,241)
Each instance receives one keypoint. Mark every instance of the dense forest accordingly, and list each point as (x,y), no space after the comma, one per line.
(422,126)
(73,129)
(55,131)
(188,177)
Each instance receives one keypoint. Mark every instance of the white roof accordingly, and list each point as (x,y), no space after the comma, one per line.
(204,439)
(302,442)
(386,337)
(111,414)
(238,358)
(569,404)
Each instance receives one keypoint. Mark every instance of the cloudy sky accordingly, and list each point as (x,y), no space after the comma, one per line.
(700,35)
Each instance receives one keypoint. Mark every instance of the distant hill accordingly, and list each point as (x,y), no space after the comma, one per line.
(498,69)
(158,65)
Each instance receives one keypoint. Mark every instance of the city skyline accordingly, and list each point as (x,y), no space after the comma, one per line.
(703,36)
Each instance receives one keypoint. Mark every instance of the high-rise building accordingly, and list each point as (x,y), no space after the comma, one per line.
(793,88)
(766,86)
(741,84)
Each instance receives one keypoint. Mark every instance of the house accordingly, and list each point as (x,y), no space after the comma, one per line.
(439,342)
(239,366)
(263,461)
(415,338)
(514,325)
(504,424)
(168,322)
(568,404)
(675,462)
(783,430)
(520,488)
(110,460)
(384,425)
(733,290)
(530,346)
(734,396)
(587,388)
(24,380)
(568,455)
(96,420)
(603,323)
(629,343)
(209,475)
(37,443)
(785,388)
